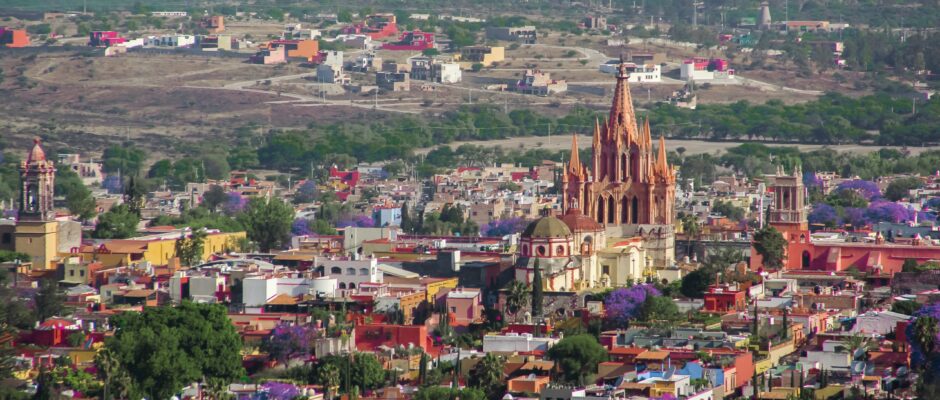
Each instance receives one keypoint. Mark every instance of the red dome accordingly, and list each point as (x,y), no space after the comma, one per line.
(36,154)
(578,222)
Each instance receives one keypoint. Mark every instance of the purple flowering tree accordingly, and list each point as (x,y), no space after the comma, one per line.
(824,214)
(888,211)
(288,341)
(503,227)
(868,189)
(855,217)
(917,353)
(280,391)
(307,192)
(357,221)
(624,304)
(113,184)
(300,227)
(810,180)
(234,204)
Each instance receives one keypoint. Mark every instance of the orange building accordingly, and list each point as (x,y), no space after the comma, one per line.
(306,49)
(13,37)
(528,384)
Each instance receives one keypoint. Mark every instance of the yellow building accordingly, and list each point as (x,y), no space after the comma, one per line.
(156,251)
(434,285)
(485,55)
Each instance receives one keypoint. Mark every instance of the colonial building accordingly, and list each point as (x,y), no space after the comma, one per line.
(625,187)
(788,215)
(36,231)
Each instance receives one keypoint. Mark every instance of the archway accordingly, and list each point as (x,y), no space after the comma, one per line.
(635,211)
(600,210)
(624,210)
(611,209)
(806,259)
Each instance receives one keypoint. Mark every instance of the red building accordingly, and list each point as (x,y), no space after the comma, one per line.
(788,215)
(371,336)
(725,298)
(376,26)
(412,41)
(105,38)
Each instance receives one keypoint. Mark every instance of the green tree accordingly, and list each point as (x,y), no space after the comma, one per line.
(658,308)
(537,295)
(49,299)
(166,348)
(695,283)
(214,197)
(364,371)
(328,376)
(925,333)
(118,223)
(344,16)
(190,249)
(445,393)
(906,307)
(577,357)
(771,245)
(487,375)
(900,188)
(78,198)
(115,382)
(267,222)
(517,296)
(124,159)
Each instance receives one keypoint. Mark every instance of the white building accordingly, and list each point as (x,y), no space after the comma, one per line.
(514,342)
(878,323)
(169,14)
(638,73)
(171,41)
(257,290)
(350,274)
(449,73)
(198,288)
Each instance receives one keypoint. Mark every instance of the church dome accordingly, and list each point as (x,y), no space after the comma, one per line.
(579,222)
(36,154)
(546,227)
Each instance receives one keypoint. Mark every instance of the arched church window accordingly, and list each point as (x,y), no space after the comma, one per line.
(541,250)
(560,250)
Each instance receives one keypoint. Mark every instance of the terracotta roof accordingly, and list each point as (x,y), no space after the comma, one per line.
(283,299)
(653,355)
(579,222)
(139,293)
(36,154)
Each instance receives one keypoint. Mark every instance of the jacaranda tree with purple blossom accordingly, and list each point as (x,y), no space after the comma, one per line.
(917,333)
(279,391)
(289,341)
(503,227)
(824,214)
(234,204)
(357,221)
(624,304)
(868,189)
(300,227)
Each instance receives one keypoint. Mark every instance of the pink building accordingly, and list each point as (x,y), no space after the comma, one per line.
(270,55)
(465,305)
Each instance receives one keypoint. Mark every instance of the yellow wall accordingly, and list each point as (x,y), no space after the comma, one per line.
(435,287)
(160,252)
(40,240)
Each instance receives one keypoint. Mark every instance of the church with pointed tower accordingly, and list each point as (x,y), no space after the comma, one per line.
(37,232)
(628,185)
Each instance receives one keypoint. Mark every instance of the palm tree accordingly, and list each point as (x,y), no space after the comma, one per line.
(925,333)
(487,375)
(517,297)
(855,342)
(217,389)
(328,375)
(691,228)
(116,381)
